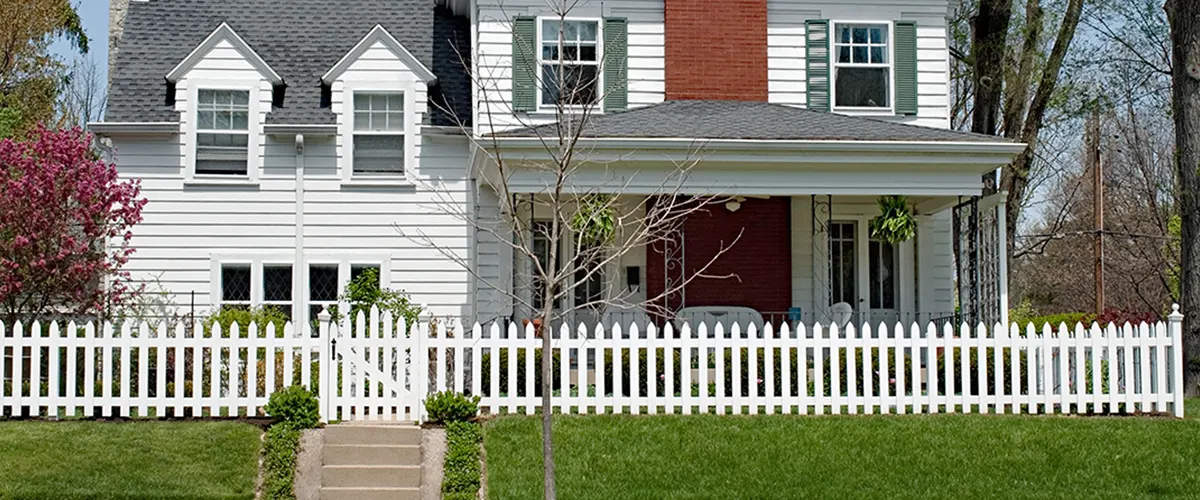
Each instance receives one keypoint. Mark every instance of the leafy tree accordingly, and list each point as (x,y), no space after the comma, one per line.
(1184,16)
(364,291)
(65,226)
(30,76)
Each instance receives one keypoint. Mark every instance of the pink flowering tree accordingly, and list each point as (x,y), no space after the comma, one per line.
(65,227)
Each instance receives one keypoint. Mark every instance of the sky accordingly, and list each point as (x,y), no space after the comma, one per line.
(94,14)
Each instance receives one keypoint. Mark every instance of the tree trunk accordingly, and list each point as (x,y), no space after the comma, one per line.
(989,36)
(1184,16)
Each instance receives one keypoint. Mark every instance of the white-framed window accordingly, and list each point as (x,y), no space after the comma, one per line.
(541,251)
(569,58)
(222,132)
(277,288)
(379,128)
(862,66)
(883,266)
(236,286)
(843,262)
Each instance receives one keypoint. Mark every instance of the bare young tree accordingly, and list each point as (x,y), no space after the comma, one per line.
(583,230)
(84,94)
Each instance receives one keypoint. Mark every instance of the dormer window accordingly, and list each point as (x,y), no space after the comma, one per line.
(570,64)
(862,68)
(378,133)
(222,132)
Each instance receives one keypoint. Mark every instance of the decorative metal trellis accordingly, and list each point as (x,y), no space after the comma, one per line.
(977,261)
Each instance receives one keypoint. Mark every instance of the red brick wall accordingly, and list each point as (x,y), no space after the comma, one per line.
(716,49)
(761,259)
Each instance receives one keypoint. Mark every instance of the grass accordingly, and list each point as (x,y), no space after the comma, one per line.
(136,460)
(935,456)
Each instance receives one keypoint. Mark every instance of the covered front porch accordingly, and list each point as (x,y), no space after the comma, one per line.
(787,234)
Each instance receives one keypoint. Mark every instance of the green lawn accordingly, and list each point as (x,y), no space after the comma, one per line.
(139,460)
(938,456)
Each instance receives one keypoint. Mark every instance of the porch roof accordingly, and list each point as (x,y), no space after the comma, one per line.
(740,120)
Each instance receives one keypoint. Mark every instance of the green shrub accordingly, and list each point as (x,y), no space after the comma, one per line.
(449,406)
(279,462)
(486,372)
(294,407)
(226,316)
(1054,320)
(462,467)
(365,291)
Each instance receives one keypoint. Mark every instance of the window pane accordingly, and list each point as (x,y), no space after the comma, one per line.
(362,102)
(862,87)
(860,55)
(570,53)
(587,53)
(222,154)
(358,270)
(395,121)
(571,31)
(378,153)
(379,102)
(878,55)
(395,102)
(362,120)
(220,167)
(844,54)
(550,52)
(878,34)
(222,140)
(240,99)
(322,283)
(549,83)
(588,31)
(859,35)
(578,85)
(277,283)
(235,283)
(241,120)
(550,30)
(206,96)
(205,120)
(223,121)
(844,35)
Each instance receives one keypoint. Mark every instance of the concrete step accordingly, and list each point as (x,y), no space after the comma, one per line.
(371,476)
(371,454)
(373,434)
(370,493)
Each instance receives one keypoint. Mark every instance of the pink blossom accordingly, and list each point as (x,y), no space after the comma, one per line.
(65,219)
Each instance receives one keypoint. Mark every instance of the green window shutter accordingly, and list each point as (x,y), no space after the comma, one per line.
(616,64)
(906,68)
(817,61)
(524,70)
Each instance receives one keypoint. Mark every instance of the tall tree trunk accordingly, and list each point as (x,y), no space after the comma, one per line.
(1016,176)
(989,36)
(1184,16)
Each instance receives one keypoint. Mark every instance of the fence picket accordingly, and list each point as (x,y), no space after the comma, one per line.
(1158,333)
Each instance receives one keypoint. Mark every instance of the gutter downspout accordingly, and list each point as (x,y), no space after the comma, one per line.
(300,273)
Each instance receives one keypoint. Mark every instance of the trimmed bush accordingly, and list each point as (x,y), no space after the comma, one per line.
(279,462)
(462,467)
(449,406)
(486,369)
(262,316)
(294,407)
(1054,320)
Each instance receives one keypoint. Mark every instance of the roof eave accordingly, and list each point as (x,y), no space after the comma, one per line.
(110,129)
(794,145)
(224,32)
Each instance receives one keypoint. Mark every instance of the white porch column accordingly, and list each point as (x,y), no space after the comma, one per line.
(1002,253)
(925,279)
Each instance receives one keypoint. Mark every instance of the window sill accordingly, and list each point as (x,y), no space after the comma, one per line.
(865,112)
(379,182)
(241,182)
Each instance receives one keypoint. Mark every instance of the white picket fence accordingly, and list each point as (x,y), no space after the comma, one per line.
(376,369)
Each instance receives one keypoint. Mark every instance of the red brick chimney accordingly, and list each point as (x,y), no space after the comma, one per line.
(716,49)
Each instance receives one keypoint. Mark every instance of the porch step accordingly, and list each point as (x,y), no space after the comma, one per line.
(372,454)
(370,493)
(371,476)
(371,462)
(373,434)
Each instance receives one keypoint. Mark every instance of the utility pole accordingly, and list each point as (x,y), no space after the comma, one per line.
(1096,163)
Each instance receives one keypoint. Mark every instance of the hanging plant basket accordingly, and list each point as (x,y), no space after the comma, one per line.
(895,222)
(595,220)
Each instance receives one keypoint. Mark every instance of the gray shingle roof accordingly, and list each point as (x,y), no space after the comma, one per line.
(299,39)
(750,120)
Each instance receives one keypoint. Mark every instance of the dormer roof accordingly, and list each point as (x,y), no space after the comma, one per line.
(379,34)
(297,40)
(224,33)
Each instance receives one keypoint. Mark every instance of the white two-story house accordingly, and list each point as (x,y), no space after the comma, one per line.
(285,145)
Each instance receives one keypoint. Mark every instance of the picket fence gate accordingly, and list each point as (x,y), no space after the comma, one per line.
(378,368)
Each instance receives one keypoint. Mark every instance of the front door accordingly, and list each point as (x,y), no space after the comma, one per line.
(864,273)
